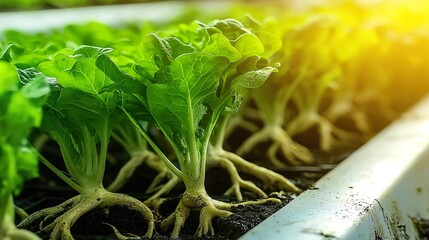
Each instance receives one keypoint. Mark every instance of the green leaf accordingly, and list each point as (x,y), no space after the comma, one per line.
(253,79)
(221,46)
(79,70)
(231,28)
(37,90)
(86,108)
(6,55)
(20,117)
(156,49)
(8,78)
(27,167)
(19,113)
(81,113)
(122,81)
(84,52)
(7,168)
(27,75)
(178,47)
(20,108)
(249,45)
(178,104)
(130,88)
(195,34)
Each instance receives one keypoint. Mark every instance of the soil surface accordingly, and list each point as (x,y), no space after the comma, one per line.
(243,219)
(49,190)
(92,226)
(422,226)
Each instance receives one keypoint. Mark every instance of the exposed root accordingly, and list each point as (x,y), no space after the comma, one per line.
(237,121)
(49,213)
(345,109)
(280,141)
(209,209)
(8,230)
(167,187)
(234,163)
(19,234)
(157,187)
(21,213)
(119,235)
(138,158)
(155,204)
(67,213)
(271,179)
(237,181)
(361,121)
(330,136)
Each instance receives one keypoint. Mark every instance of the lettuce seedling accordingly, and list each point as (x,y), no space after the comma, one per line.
(311,68)
(345,99)
(273,98)
(188,82)
(251,65)
(20,111)
(318,63)
(80,120)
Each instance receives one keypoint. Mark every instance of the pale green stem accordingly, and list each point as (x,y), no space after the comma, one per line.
(192,163)
(7,215)
(104,143)
(273,111)
(121,136)
(61,175)
(218,136)
(129,138)
(5,211)
(158,151)
(193,179)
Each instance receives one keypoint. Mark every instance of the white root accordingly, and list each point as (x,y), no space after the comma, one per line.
(237,121)
(237,181)
(138,158)
(294,152)
(19,234)
(167,187)
(330,136)
(67,213)
(209,209)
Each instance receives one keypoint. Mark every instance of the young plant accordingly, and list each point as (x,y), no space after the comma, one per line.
(184,90)
(81,120)
(355,70)
(319,63)
(273,99)
(254,58)
(311,67)
(233,163)
(20,111)
(257,54)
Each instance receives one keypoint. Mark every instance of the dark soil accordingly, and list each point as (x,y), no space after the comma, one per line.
(422,226)
(49,190)
(92,226)
(243,219)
